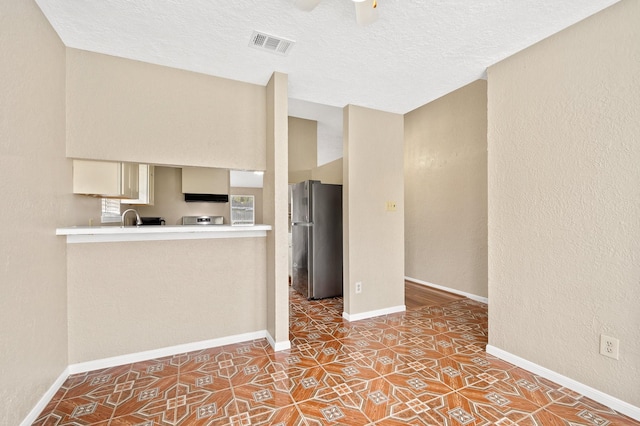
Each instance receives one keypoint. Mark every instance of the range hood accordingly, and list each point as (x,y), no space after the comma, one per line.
(206,198)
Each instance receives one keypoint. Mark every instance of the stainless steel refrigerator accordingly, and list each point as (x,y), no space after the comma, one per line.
(316,228)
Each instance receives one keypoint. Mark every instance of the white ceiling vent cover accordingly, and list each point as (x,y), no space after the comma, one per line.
(273,44)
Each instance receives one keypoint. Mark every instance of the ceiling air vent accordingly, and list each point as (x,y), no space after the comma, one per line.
(273,44)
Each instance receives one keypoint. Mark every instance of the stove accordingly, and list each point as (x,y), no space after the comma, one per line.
(203,220)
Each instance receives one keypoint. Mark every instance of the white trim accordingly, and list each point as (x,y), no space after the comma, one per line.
(162,352)
(450,290)
(48,395)
(278,346)
(104,234)
(376,313)
(598,396)
(114,238)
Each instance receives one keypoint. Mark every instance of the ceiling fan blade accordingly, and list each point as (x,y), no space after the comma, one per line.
(366,11)
(306,5)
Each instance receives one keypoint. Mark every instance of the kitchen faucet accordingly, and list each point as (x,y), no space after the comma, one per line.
(138,220)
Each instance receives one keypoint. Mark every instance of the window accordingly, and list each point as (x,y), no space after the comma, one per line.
(110,210)
(242,209)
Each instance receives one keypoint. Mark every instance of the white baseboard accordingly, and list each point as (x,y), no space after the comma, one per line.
(598,396)
(278,346)
(376,313)
(83,367)
(162,352)
(450,290)
(48,395)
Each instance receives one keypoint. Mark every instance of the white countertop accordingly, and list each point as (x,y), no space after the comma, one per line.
(101,234)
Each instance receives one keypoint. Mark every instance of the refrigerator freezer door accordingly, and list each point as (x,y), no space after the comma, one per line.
(326,241)
(300,202)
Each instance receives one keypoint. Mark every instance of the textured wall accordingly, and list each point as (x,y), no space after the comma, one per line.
(374,237)
(124,110)
(35,182)
(564,201)
(151,295)
(329,172)
(295,177)
(303,144)
(446,191)
(275,209)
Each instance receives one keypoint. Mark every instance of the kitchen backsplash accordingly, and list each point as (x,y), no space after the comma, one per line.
(169,200)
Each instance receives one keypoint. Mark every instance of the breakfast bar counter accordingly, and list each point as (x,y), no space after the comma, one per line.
(132,290)
(102,234)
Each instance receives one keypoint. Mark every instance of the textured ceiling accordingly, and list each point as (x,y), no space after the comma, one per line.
(414,53)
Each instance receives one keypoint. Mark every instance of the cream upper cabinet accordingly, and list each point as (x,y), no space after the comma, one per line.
(146,187)
(205,180)
(105,179)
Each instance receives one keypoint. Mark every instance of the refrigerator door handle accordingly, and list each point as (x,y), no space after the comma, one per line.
(301,223)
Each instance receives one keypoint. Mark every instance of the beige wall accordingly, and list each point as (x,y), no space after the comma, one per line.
(150,295)
(275,210)
(303,144)
(258,200)
(295,177)
(446,191)
(329,173)
(124,110)
(169,200)
(564,201)
(35,181)
(374,237)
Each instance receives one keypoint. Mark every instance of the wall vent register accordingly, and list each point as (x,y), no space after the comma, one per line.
(270,43)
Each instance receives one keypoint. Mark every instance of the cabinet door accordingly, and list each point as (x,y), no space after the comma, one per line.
(105,179)
(145,186)
(205,180)
(129,180)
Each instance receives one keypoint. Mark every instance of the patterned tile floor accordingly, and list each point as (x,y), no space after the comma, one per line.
(426,366)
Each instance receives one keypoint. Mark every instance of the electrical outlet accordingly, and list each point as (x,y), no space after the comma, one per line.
(609,346)
(358,287)
(391,206)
